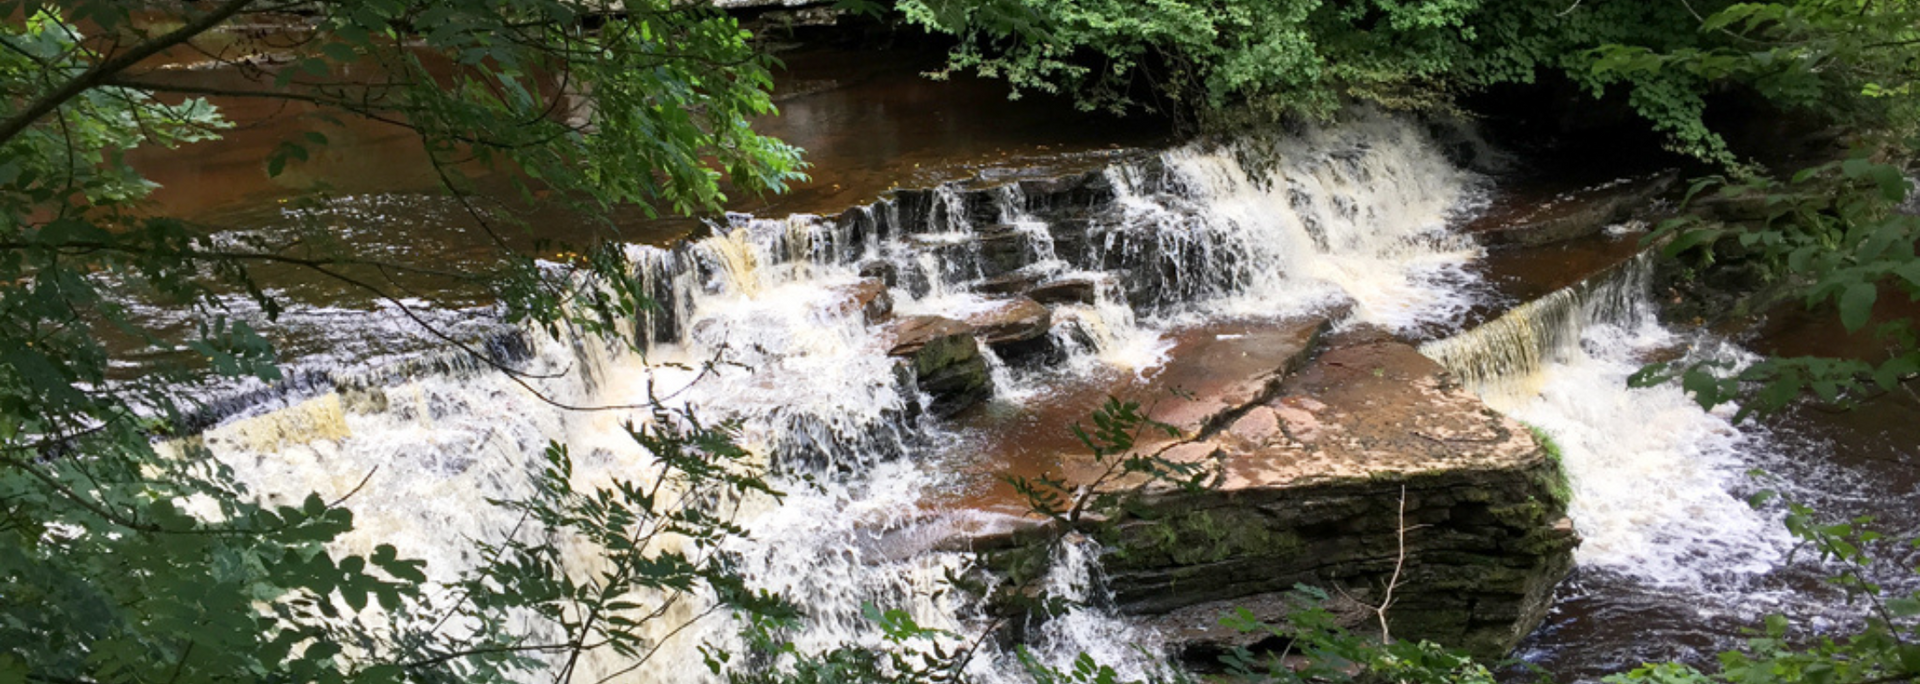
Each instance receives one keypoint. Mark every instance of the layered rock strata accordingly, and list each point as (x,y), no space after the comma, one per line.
(1341,472)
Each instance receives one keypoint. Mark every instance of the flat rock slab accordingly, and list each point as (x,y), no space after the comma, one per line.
(1016,319)
(1315,480)
(1575,214)
(1369,408)
(1211,371)
(1216,372)
(908,335)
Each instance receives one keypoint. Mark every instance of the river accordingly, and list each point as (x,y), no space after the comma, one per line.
(1201,240)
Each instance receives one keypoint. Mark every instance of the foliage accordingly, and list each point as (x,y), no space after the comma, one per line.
(1831,232)
(1844,61)
(121,560)
(1118,427)
(1299,56)
(909,654)
(1239,61)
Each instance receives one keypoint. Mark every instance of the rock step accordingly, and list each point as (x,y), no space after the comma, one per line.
(1575,214)
(1317,463)
(1212,371)
(1309,490)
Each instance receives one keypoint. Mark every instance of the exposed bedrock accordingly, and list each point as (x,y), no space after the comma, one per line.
(945,361)
(1576,214)
(1313,461)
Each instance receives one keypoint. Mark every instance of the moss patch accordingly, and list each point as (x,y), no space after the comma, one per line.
(1557,484)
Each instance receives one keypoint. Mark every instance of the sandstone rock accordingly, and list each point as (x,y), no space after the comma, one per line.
(1071,290)
(1310,459)
(1018,330)
(1487,542)
(945,360)
(1218,372)
(1260,425)
(1072,190)
(1578,214)
(1002,248)
(1015,320)
(870,297)
(1016,283)
(907,336)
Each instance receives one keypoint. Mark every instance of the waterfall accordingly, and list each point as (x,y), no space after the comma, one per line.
(1261,225)
(1653,475)
(761,323)
(1506,356)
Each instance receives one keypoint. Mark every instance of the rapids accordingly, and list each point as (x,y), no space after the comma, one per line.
(753,325)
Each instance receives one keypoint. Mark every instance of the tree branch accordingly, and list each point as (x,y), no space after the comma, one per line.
(99,73)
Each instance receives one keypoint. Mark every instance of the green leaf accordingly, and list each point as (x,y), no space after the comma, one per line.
(1704,387)
(1904,606)
(340,52)
(1856,305)
(12,669)
(1894,185)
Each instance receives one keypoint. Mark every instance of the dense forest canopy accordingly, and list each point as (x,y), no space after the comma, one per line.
(107,576)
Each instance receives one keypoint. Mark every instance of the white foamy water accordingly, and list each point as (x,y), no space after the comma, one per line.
(1653,475)
(1357,213)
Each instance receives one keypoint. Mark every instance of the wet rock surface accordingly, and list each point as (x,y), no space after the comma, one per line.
(870,297)
(1017,319)
(945,361)
(1571,215)
(1317,480)
(1318,464)
(1070,290)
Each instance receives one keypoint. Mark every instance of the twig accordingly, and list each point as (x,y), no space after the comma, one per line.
(1399,564)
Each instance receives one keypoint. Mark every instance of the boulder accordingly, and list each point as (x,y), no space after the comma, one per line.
(869,296)
(1315,484)
(945,360)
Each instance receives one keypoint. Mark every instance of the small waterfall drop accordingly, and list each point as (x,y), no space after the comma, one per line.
(1653,475)
(1258,225)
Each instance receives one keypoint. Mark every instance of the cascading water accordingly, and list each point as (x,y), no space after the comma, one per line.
(1357,213)
(764,323)
(1653,475)
(1670,545)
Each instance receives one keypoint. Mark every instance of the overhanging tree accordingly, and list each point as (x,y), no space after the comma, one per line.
(105,575)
